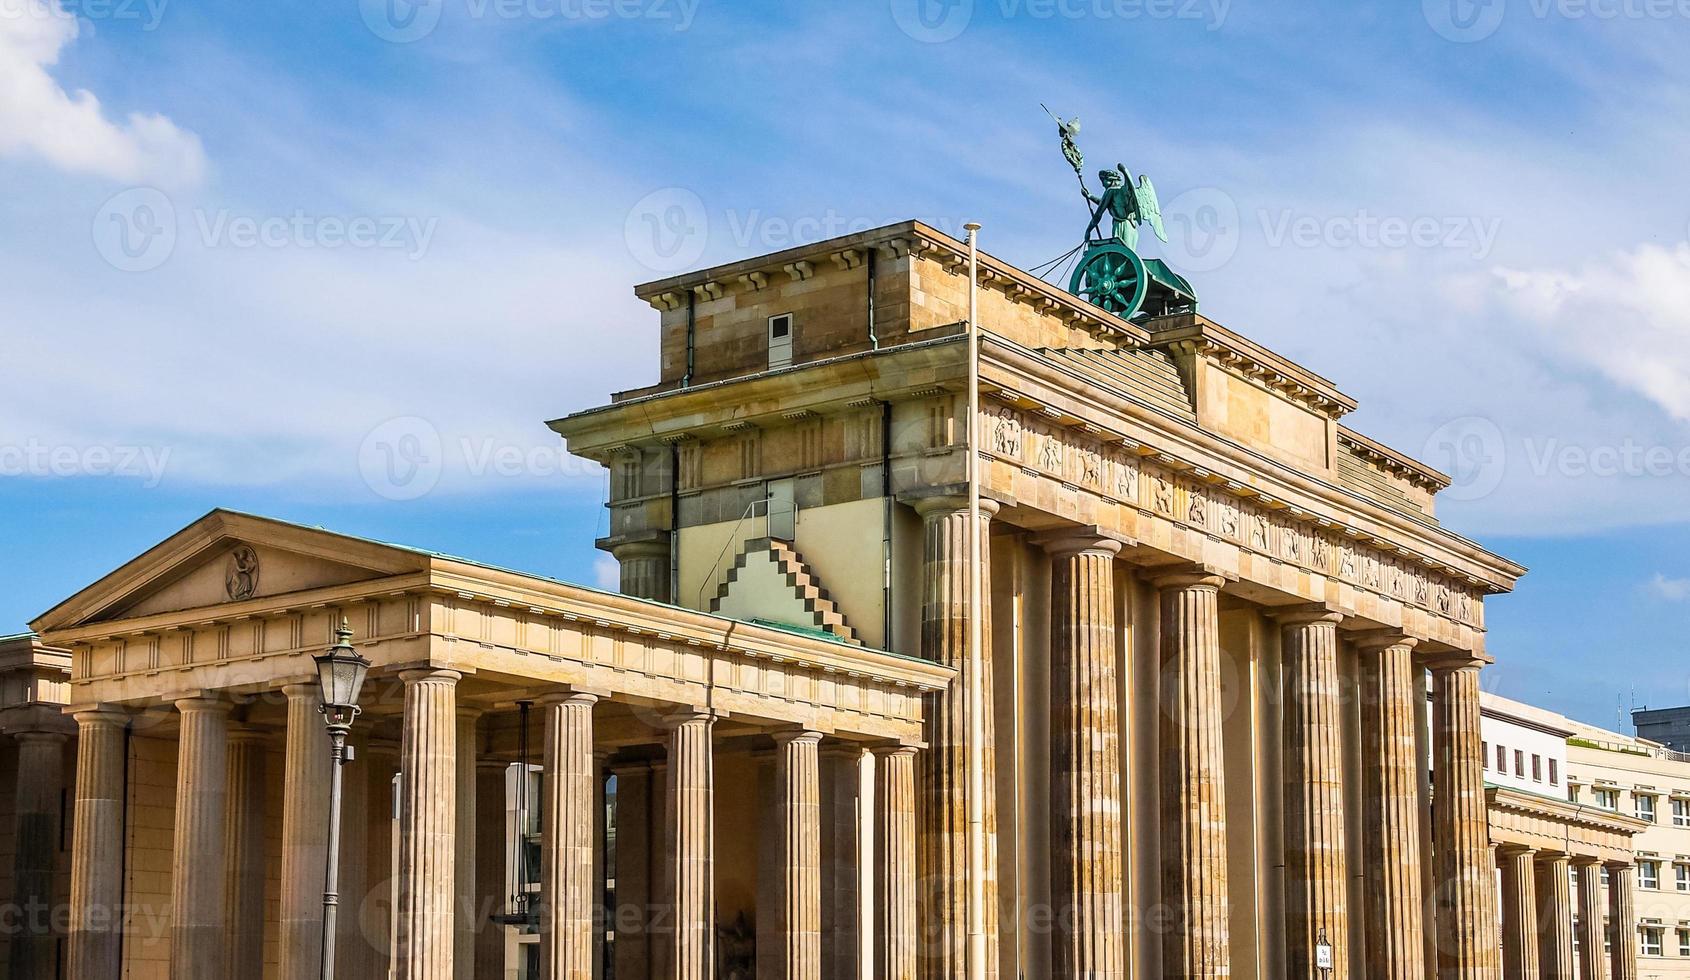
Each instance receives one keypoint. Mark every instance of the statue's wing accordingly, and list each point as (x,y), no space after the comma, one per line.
(1150,208)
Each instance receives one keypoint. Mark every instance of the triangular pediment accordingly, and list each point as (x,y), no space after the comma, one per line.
(227,557)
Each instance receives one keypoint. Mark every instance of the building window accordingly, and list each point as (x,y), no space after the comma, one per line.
(1681,813)
(1554,773)
(1649,874)
(1652,937)
(780,340)
(1519,764)
(1645,807)
(1502,759)
(1537,768)
(1684,942)
(1681,874)
(1484,753)
(1607,799)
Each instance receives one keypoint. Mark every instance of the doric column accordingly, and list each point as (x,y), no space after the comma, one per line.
(468,919)
(566,839)
(491,850)
(1592,964)
(1622,920)
(1193,778)
(1393,929)
(356,950)
(636,851)
(305,834)
(943,811)
(798,785)
(35,835)
(691,873)
(645,568)
(1465,889)
(894,871)
(1316,879)
(244,865)
(197,910)
(1087,874)
(428,789)
(96,856)
(1519,913)
(841,839)
(1555,917)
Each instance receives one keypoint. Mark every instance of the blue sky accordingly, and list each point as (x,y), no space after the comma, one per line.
(271,256)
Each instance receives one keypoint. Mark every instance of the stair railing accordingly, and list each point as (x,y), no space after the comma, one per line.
(734,540)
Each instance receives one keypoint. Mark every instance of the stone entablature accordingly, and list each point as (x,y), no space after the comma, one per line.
(1542,823)
(495,625)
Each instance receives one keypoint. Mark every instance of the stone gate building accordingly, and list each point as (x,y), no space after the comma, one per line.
(1232,658)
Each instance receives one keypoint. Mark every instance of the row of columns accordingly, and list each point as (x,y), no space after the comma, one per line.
(1088,879)
(217,900)
(1538,917)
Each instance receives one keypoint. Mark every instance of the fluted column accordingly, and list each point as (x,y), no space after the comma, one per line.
(1193,778)
(843,829)
(244,864)
(1316,878)
(798,788)
(197,881)
(645,569)
(637,848)
(468,919)
(943,814)
(691,873)
(1593,965)
(1555,917)
(305,834)
(1087,875)
(35,831)
(1393,926)
(895,868)
(428,789)
(1465,892)
(1519,913)
(96,856)
(1622,920)
(566,839)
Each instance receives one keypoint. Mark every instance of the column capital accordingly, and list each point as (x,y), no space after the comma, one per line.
(38,735)
(1381,639)
(1187,576)
(1456,660)
(1065,541)
(201,702)
(423,672)
(788,736)
(682,714)
(248,735)
(641,548)
(100,715)
(1585,861)
(841,749)
(302,689)
(571,695)
(1305,614)
(951,503)
(893,748)
(1515,850)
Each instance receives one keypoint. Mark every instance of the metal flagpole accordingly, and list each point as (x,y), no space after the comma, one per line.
(978,941)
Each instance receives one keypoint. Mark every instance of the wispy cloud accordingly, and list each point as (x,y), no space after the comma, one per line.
(70,130)
(1670,589)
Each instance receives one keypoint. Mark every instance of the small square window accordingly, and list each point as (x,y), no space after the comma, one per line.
(780,326)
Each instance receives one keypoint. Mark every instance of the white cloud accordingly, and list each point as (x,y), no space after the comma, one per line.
(607,573)
(1670,589)
(70,130)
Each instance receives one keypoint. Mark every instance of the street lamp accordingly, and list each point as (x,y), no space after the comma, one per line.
(340,678)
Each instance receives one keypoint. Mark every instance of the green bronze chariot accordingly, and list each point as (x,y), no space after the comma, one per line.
(1110,273)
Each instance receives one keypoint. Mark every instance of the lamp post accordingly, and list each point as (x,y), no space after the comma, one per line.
(340,676)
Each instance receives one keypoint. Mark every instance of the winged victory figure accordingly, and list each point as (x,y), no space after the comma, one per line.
(1127,206)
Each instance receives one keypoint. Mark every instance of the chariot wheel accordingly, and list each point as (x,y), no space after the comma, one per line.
(1111,276)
